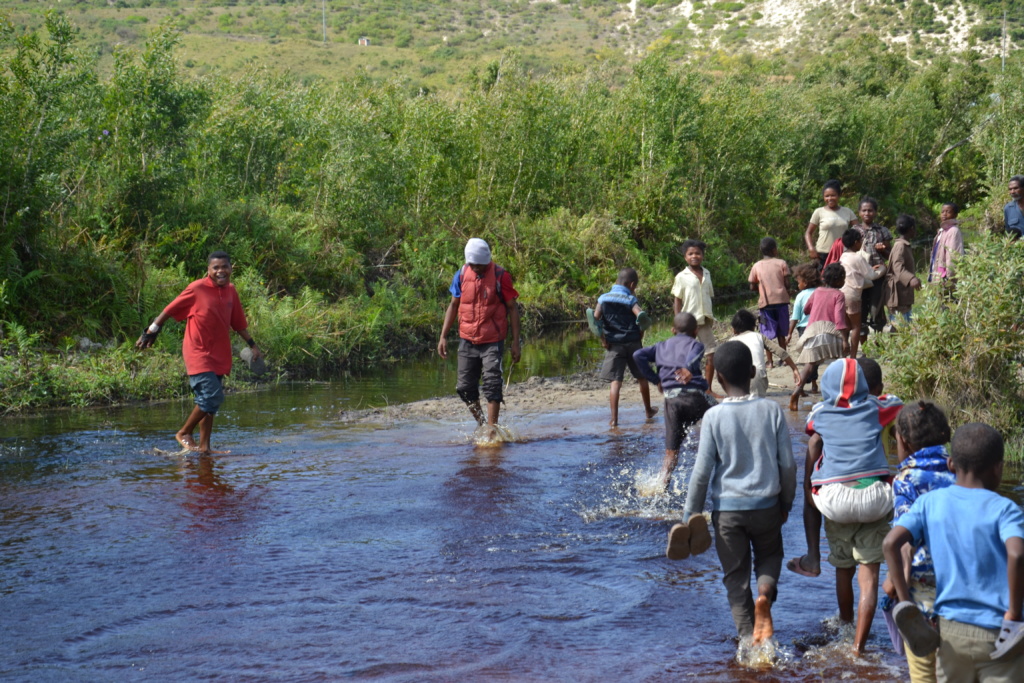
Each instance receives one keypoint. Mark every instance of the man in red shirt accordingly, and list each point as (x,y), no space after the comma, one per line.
(484,302)
(212,309)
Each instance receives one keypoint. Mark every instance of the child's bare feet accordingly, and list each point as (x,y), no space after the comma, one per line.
(186,442)
(613,423)
(794,402)
(651,412)
(763,626)
(814,387)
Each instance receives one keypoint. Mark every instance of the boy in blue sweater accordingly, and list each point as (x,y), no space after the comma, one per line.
(976,539)
(746,458)
(621,336)
(678,359)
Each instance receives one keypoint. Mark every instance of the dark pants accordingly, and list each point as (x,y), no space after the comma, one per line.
(476,360)
(681,413)
(871,308)
(736,534)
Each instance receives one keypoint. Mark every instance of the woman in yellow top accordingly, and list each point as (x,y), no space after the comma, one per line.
(830,222)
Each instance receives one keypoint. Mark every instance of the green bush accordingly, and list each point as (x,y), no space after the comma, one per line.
(964,348)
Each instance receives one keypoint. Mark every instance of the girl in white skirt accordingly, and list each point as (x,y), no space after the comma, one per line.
(827,336)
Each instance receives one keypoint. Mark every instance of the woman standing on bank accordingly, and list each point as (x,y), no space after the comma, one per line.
(830,221)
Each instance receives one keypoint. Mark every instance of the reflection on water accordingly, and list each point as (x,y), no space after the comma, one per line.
(318,551)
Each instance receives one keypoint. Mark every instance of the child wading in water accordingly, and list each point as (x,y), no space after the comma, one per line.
(619,311)
(850,487)
(900,282)
(746,458)
(770,277)
(921,434)
(679,378)
(827,336)
(743,324)
(976,540)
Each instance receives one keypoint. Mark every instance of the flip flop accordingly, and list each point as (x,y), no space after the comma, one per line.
(917,633)
(595,325)
(886,605)
(643,320)
(1011,633)
(256,365)
(678,542)
(700,539)
(794,566)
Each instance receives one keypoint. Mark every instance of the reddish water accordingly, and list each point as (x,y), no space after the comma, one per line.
(402,552)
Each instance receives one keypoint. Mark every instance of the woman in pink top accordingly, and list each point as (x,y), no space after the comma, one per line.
(949,242)
(827,336)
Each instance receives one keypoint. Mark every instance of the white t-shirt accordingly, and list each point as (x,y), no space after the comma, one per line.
(695,294)
(831,225)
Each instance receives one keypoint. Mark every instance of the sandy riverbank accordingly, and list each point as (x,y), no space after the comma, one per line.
(537,395)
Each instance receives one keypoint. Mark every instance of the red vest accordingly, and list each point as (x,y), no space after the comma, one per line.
(483,316)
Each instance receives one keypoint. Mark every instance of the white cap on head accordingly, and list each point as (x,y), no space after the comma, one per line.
(477,252)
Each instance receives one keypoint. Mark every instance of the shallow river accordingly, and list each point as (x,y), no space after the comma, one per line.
(320,551)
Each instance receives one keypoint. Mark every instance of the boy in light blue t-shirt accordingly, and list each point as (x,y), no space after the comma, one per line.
(976,539)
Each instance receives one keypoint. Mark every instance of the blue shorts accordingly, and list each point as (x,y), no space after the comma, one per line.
(775,320)
(207,390)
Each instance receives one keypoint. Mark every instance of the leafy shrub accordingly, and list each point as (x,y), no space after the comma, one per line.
(964,349)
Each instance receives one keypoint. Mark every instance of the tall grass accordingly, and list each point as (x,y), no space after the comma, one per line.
(346,207)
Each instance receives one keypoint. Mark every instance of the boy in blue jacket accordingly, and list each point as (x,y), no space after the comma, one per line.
(678,359)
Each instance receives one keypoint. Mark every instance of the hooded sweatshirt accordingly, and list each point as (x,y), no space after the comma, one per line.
(850,421)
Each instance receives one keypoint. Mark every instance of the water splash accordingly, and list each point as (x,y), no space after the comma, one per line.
(768,654)
(493,436)
(837,650)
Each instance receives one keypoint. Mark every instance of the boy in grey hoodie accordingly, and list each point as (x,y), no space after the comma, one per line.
(746,458)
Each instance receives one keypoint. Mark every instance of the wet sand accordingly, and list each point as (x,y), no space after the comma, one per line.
(539,395)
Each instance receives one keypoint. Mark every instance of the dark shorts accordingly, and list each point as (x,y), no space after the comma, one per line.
(476,360)
(208,391)
(681,413)
(617,358)
(775,320)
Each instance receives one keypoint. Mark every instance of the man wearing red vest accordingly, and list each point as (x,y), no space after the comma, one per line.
(212,309)
(483,299)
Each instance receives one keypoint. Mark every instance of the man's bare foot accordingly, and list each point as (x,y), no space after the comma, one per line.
(613,423)
(651,412)
(763,626)
(186,442)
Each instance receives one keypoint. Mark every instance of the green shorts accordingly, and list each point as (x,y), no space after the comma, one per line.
(855,543)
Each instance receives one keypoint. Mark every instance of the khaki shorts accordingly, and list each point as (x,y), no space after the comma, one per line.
(853,303)
(853,544)
(707,337)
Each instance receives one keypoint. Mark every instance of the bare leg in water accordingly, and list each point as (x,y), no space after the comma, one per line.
(810,564)
(198,417)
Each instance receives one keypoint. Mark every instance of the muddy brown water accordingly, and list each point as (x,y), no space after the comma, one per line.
(319,550)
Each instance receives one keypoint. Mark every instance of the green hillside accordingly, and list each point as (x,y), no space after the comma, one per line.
(438,44)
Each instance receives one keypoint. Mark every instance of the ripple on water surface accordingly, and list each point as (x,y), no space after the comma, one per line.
(403,552)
